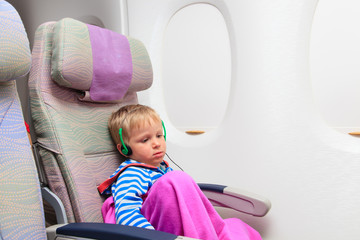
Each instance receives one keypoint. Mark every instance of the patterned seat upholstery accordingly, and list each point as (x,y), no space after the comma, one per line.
(21,215)
(69,116)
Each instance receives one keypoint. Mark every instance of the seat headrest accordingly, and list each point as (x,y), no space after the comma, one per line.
(15,55)
(103,64)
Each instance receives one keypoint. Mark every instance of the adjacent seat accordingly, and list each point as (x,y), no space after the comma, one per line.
(21,215)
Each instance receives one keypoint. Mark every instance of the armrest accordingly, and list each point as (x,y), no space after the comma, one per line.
(104,231)
(236,199)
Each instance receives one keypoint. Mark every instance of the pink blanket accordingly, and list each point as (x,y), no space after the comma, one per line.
(175,204)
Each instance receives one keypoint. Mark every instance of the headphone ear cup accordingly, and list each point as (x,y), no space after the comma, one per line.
(129,151)
(126,150)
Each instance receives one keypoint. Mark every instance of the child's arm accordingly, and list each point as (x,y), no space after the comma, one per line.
(130,186)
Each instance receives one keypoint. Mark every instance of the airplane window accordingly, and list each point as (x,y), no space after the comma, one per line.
(196,68)
(334,61)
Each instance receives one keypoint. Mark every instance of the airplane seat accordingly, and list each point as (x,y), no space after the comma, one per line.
(70,104)
(80,74)
(21,215)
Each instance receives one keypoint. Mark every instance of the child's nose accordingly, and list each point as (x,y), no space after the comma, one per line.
(156,143)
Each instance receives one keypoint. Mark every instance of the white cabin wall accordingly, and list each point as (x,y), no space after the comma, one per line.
(273,140)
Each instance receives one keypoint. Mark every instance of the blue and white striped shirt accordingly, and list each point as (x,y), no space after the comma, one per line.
(129,188)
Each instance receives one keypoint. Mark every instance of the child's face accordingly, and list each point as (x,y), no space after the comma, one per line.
(148,144)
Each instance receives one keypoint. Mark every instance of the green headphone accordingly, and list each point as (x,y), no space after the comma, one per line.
(126,150)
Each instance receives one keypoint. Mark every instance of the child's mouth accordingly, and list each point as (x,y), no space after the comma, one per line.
(158,154)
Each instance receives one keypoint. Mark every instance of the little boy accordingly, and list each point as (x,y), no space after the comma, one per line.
(138,133)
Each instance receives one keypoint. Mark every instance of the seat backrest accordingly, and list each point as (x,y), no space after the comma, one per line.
(21,215)
(81,74)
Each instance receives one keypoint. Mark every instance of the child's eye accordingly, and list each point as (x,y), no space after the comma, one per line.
(145,140)
(159,135)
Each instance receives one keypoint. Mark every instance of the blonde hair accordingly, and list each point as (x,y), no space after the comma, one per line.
(129,117)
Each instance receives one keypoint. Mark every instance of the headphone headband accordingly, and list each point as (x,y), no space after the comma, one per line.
(163,125)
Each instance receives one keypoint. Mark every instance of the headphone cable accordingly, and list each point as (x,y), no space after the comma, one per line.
(174,162)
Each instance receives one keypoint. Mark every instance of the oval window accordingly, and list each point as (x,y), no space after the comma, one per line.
(196,68)
(334,61)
